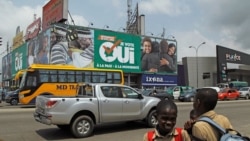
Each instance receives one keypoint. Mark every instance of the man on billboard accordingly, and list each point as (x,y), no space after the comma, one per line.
(82,48)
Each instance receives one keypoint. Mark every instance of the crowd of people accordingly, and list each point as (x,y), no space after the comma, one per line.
(194,129)
(158,56)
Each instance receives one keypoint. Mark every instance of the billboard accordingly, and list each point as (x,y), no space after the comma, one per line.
(54,11)
(33,29)
(38,49)
(6,67)
(97,48)
(225,56)
(158,55)
(159,80)
(19,59)
(18,40)
(117,51)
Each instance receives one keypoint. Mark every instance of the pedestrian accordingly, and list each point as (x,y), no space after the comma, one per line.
(188,125)
(165,130)
(204,104)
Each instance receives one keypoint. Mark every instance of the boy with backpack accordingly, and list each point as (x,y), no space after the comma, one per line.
(165,130)
(209,125)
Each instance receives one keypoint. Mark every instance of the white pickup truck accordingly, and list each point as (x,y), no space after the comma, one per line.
(95,104)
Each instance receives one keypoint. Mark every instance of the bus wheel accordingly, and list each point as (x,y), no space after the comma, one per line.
(82,126)
(13,102)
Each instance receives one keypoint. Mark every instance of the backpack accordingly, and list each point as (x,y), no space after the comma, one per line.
(177,138)
(225,133)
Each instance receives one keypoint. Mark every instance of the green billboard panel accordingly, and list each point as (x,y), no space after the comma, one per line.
(19,59)
(115,50)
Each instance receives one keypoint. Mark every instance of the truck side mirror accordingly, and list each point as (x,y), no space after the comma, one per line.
(140,96)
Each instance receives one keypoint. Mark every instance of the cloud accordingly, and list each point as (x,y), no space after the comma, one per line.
(230,20)
(12,17)
(194,38)
(168,7)
(78,20)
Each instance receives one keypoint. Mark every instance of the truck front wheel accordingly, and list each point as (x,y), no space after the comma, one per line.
(82,126)
(151,119)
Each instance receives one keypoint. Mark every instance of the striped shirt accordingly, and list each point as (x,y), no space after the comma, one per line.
(59,54)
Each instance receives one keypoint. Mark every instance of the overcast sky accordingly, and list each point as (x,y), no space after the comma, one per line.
(191,22)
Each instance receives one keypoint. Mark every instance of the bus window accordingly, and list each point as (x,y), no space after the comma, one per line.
(79,76)
(53,76)
(71,76)
(87,77)
(44,75)
(62,76)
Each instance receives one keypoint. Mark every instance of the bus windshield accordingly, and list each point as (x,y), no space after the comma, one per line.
(22,80)
(62,80)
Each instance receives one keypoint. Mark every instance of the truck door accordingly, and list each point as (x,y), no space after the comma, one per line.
(110,104)
(131,104)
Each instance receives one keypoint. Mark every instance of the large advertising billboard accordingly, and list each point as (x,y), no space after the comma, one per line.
(19,59)
(117,51)
(96,48)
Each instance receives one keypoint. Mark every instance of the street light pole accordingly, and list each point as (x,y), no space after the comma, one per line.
(196,57)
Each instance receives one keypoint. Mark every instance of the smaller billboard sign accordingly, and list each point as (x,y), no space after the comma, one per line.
(54,11)
(18,40)
(33,29)
(159,80)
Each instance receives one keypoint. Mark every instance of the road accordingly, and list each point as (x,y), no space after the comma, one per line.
(17,124)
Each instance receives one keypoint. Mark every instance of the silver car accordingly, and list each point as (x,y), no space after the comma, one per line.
(244,92)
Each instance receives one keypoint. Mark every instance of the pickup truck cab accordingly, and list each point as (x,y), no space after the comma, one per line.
(95,104)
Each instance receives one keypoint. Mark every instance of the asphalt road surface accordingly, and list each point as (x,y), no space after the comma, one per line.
(17,124)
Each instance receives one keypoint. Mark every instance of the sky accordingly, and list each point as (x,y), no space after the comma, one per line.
(191,22)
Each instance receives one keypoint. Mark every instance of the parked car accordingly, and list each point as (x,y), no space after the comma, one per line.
(176,91)
(158,93)
(12,97)
(4,91)
(228,93)
(187,95)
(244,92)
(1,95)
